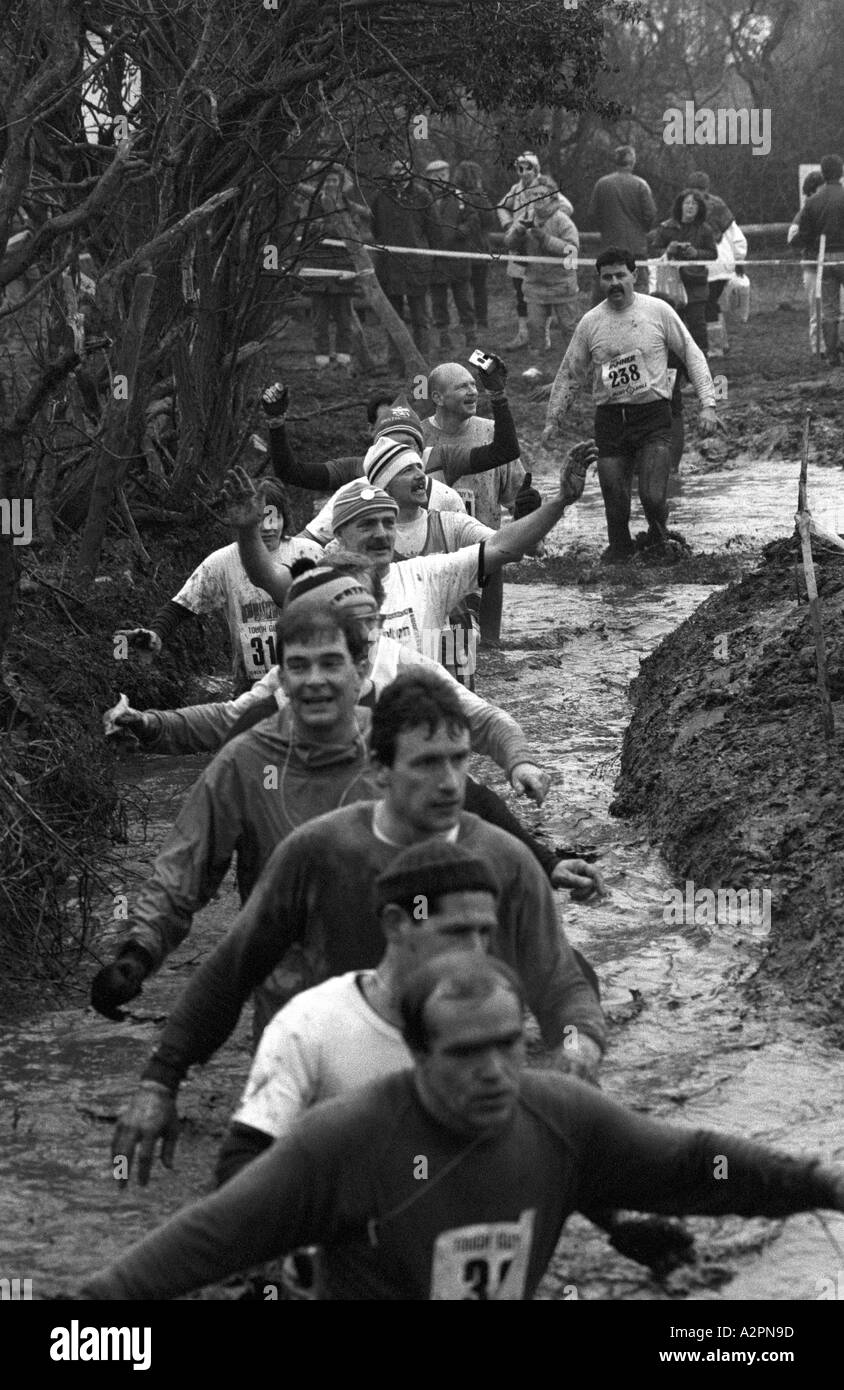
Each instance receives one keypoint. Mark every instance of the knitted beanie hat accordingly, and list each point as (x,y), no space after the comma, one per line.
(430,869)
(323,587)
(359,498)
(386,459)
(401,420)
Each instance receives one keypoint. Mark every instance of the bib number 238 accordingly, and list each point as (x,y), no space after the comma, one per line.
(625,376)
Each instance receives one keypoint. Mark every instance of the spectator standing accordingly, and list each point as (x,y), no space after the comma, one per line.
(823,215)
(468,178)
(401,216)
(731,245)
(687,236)
(455,225)
(623,210)
(324,207)
(809,270)
(544,229)
(516,199)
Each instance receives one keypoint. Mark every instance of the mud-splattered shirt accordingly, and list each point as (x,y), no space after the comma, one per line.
(483,494)
(220,581)
(324,1042)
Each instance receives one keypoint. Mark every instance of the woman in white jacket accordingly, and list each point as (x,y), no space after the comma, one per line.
(544,229)
(732,251)
(510,209)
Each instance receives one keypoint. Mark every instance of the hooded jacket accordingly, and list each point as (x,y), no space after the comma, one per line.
(553,234)
(259,788)
(698,234)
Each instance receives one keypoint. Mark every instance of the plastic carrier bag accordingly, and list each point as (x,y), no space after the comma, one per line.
(668,281)
(736,297)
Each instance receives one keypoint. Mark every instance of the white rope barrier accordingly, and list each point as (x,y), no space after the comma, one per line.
(496,258)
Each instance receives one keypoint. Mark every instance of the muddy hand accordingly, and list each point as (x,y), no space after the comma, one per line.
(573,472)
(117,984)
(244,501)
(150,1116)
(527,499)
(527,779)
(493,378)
(143,639)
(582,879)
(708,421)
(275,400)
(123,719)
(578,1056)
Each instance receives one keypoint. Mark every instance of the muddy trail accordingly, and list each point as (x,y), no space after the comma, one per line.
(688,1041)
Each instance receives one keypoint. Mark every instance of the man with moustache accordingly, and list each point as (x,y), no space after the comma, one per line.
(621,349)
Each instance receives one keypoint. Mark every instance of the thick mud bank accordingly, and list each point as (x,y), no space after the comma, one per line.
(726,763)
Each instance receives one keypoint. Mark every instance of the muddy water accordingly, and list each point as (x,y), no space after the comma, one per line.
(684,1046)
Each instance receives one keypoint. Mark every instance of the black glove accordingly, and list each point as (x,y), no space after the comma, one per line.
(527,499)
(275,400)
(493,378)
(118,983)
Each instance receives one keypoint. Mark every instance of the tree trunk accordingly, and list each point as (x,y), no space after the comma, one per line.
(414,362)
(122,423)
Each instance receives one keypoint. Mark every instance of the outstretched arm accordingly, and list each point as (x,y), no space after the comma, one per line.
(512,542)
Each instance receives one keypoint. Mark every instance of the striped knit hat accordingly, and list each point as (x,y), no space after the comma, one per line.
(323,587)
(401,420)
(386,459)
(359,498)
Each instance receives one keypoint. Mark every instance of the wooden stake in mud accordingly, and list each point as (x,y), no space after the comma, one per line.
(804,527)
(819,294)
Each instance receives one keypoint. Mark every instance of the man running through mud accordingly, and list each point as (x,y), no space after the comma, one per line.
(622,345)
(454,1179)
(315,904)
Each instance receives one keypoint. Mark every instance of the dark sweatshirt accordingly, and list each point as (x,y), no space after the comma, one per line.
(484,1224)
(317,895)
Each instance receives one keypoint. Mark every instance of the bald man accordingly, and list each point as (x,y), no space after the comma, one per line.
(451,433)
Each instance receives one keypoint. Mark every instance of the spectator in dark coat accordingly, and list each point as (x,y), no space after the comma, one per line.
(823,214)
(687,236)
(468,179)
(331,284)
(401,216)
(455,225)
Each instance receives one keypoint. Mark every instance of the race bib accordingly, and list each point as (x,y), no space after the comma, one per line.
(402,627)
(483,1263)
(257,643)
(467,497)
(625,377)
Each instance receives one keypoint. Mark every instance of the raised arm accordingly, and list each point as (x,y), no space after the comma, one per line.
(514,540)
(315,476)
(245,510)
